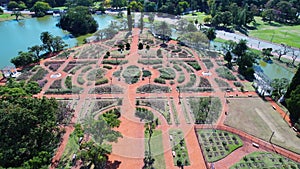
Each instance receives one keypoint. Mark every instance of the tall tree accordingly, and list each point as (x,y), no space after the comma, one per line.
(17,14)
(165,30)
(293,105)
(23,59)
(58,44)
(78,21)
(211,34)
(47,40)
(129,19)
(95,154)
(241,48)
(282,51)
(40,8)
(36,49)
(33,131)
(228,58)
(294,83)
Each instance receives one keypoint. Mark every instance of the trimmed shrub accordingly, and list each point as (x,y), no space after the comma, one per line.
(160,80)
(107,67)
(194,64)
(68,82)
(101,81)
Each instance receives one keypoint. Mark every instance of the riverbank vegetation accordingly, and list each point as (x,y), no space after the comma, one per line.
(50,44)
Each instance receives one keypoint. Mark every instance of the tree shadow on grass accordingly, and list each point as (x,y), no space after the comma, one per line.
(113,165)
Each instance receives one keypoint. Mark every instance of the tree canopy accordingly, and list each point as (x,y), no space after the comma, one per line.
(78,21)
(40,8)
(292,97)
(28,131)
(29,126)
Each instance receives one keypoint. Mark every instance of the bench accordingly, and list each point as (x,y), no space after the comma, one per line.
(255,145)
(294,129)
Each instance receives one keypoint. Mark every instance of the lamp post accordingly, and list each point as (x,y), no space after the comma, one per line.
(178,89)
(270,140)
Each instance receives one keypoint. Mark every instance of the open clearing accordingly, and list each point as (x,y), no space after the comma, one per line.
(258,118)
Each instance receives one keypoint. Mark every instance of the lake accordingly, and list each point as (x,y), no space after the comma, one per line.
(273,70)
(18,36)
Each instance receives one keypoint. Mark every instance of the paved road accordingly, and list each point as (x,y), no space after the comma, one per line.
(252,42)
(256,43)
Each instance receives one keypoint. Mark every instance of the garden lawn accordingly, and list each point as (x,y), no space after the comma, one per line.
(179,147)
(7,16)
(157,149)
(258,118)
(200,16)
(71,148)
(289,35)
(81,39)
(248,86)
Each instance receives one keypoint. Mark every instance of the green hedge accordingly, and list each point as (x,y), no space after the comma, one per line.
(160,80)
(194,64)
(101,81)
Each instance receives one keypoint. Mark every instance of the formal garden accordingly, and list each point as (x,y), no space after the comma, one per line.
(265,160)
(204,110)
(179,150)
(217,144)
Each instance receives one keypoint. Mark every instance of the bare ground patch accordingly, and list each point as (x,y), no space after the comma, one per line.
(258,118)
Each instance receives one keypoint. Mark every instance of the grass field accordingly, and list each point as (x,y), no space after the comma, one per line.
(276,32)
(6,17)
(199,17)
(258,118)
(81,39)
(157,149)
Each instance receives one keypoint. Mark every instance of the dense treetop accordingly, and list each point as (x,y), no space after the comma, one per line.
(292,97)
(29,131)
(78,21)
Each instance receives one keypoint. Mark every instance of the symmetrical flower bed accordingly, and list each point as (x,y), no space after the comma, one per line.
(153,89)
(265,160)
(217,144)
(205,110)
(179,151)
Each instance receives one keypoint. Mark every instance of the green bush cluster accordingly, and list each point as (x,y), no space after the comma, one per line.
(146,73)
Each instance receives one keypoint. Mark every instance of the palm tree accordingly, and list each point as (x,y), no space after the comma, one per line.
(47,40)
